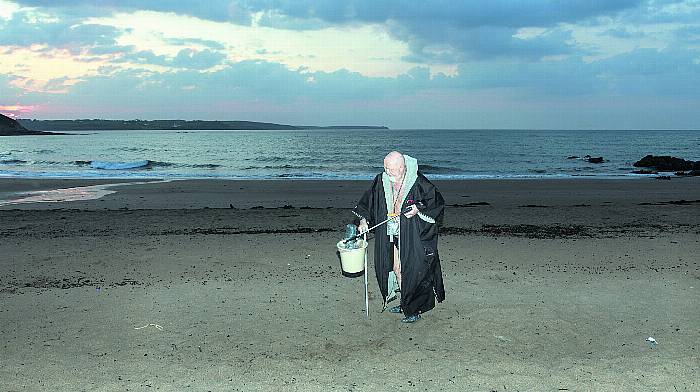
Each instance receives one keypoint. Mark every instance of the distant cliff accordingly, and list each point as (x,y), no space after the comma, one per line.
(114,125)
(10,127)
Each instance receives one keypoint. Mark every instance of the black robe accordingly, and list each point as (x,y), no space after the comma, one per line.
(421,274)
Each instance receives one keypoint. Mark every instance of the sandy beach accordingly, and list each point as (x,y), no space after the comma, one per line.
(552,285)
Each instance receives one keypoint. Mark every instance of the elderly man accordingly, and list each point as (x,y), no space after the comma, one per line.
(405,251)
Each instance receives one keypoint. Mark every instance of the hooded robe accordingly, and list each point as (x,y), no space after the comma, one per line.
(421,273)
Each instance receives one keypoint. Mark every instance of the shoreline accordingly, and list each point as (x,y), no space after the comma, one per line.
(218,193)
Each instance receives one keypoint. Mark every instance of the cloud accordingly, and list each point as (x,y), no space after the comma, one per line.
(688,34)
(652,72)
(505,13)
(188,58)
(622,33)
(483,43)
(450,31)
(30,27)
(185,58)
(567,93)
(207,43)
(9,94)
(216,10)
(663,11)
(437,30)
(193,91)
(643,72)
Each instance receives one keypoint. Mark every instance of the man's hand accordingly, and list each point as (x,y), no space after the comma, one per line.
(363,227)
(412,213)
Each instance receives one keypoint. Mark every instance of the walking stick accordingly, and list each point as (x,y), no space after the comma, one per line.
(366,290)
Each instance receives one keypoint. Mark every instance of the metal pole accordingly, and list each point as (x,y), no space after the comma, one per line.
(368,230)
(366,290)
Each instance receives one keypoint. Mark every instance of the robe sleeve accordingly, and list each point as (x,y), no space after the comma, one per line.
(365,208)
(432,205)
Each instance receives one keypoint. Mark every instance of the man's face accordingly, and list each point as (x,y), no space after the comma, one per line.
(395,169)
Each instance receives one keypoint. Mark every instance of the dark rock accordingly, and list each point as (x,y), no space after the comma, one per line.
(672,202)
(10,127)
(572,157)
(595,159)
(694,173)
(682,202)
(667,163)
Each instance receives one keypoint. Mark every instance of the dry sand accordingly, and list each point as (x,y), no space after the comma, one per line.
(551,285)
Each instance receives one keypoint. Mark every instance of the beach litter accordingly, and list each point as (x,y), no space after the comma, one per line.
(501,338)
(351,236)
(652,341)
(158,327)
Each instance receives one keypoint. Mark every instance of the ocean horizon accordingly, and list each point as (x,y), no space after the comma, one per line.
(341,154)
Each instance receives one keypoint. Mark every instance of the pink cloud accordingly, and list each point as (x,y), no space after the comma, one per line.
(16,111)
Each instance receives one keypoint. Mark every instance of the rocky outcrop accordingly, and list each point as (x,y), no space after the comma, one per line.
(10,127)
(591,159)
(667,163)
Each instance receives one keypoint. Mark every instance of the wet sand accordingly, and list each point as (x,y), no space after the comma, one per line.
(551,285)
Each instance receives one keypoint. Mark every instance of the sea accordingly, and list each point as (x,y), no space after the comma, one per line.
(338,154)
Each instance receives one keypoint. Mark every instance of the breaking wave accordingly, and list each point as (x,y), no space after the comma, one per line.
(143,164)
(104,165)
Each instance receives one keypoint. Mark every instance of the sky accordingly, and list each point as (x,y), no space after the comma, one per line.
(542,64)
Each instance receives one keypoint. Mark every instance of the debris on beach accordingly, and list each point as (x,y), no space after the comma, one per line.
(652,341)
(501,338)
(156,326)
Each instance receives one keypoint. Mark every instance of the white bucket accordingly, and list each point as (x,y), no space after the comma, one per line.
(352,260)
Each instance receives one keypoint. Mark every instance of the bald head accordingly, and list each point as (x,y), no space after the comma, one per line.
(395,166)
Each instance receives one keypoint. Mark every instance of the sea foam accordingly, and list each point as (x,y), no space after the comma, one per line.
(104,165)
